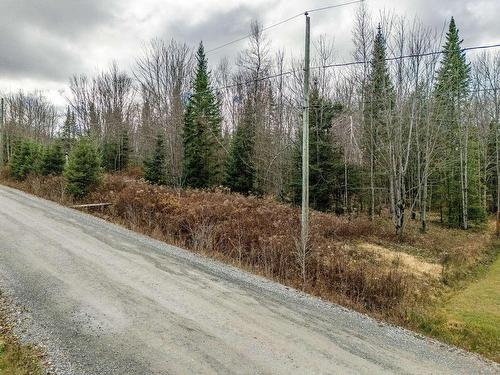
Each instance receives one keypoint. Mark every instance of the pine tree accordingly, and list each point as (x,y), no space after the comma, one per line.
(83,170)
(325,159)
(155,167)
(457,186)
(240,170)
(202,131)
(53,160)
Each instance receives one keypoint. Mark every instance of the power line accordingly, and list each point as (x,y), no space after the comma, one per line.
(337,65)
(282,22)
(413,55)
(333,6)
(248,35)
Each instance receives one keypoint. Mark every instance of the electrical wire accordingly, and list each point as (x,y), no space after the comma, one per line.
(487,46)
(282,22)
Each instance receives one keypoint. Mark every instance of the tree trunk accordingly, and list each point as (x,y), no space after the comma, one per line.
(423,206)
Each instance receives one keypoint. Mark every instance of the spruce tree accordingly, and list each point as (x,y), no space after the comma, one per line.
(240,170)
(115,153)
(109,153)
(53,160)
(378,107)
(83,170)
(124,150)
(68,131)
(492,175)
(25,160)
(155,167)
(457,186)
(325,159)
(202,131)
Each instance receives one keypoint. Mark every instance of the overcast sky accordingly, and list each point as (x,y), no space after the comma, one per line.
(44,42)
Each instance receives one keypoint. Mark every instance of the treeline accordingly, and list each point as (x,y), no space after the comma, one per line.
(401,131)
(82,169)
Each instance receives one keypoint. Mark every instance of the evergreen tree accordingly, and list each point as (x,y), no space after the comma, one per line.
(53,160)
(202,131)
(240,170)
(124,150)
(115,154)
(83,170)
(109,153)
(68,131)
(491,174)
(155,167)
(457,186)
(326,166)
(378,107)
(453,77)
(25,160)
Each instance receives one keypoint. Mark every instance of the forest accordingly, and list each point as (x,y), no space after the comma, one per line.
(409,128)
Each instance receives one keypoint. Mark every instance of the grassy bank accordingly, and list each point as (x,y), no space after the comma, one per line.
(16,359)
(419,281)
(470,317)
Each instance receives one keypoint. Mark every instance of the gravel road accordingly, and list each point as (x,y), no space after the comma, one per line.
(104,300)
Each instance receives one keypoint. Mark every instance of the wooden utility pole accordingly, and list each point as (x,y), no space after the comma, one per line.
(497,144)
(305,154)
(2,115)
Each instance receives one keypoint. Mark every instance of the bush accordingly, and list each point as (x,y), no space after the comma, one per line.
(83,170)
(477,214)
(25,160)
(261,235)
(52,161)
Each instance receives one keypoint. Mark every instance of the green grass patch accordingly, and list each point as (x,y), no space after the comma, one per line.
(470,317)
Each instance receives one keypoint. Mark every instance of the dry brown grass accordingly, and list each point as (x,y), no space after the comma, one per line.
(353,261)
(409,262)
(15,358)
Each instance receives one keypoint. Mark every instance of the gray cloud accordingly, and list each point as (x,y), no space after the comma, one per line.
(64,18)
(225,25)
(40,38)
(49,40)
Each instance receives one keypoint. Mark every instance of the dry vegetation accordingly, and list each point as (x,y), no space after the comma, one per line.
(353,261)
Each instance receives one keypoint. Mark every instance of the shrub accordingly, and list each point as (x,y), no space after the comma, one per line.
(261,235)
(476,214)
(83,170)
(52,160)
(25,159)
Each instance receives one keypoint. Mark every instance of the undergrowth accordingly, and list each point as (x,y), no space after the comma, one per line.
(262,236)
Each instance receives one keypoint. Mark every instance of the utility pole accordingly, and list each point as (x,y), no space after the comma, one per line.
(304,233)
(2,116)
(497,144)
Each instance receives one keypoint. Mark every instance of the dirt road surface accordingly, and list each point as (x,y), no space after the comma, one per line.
(104,300)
